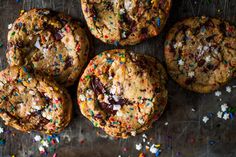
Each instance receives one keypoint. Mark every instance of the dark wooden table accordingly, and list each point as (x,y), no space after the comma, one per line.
(184,136)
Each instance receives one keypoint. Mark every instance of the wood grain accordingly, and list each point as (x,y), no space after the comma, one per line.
(185,136)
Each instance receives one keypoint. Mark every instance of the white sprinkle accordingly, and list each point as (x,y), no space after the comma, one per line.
(119,155)
(226,116)
(122,11)
(219,114)
(82,97)
(191,74)
(177,45)
(46,12)
(133,133)
(205,48)
(41,149)
(224,107)
(144,140)
(205,119)
(116,107)
(138,146)
(228,89)
(119,113)
(1,84)
(144,136)
(37,44)
(148,143)
(193,110)
(31,92)
(153,149)
(208,58)
(115,98)
(113,89)
(180,62)
(166,123)
(123,34)
(37,108)
(37,138)
(1,130)
(218,93)
(9,26)
(128,4)
(45,143)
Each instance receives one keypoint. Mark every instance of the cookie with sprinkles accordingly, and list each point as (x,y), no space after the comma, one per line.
(49,42)
(200,53)
(32,102)
(122,92)
(125,22)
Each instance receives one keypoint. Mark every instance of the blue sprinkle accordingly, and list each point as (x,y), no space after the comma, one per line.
(2,142)
(158,22)
(203,29)
(110,61)
(89,99)
(116,43)
(25,69)
(211,142)
(158,153)
(231,115)
(20,24)
(19,80)
(60,57)
(17,1)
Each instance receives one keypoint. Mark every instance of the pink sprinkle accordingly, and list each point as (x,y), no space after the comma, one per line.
(54,155)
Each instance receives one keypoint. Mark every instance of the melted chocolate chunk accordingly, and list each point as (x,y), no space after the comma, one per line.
(190,80)
(97,86)
(68,62)
(223,28)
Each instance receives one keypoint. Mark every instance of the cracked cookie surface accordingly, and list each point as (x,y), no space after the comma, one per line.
(125,22)
(31,102)
(49,42)
(200,53)
(123,93)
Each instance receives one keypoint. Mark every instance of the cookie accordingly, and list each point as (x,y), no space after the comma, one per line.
(122,92)
(200,53)
(125,22)
(32,102)
(49,42)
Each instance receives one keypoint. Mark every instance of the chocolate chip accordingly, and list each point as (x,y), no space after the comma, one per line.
(58,36)
(210,67)
(201,62)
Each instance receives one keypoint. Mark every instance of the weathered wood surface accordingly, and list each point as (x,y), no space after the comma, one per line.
(185,136)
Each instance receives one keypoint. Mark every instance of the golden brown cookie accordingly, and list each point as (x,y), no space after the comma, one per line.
(125,22)
(200,53)
(122,92)
(49,42)
(32,102)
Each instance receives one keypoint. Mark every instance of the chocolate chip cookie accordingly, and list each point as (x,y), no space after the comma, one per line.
(122,92)
(32,102)
(49,42)
(125,22)
(200,53)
